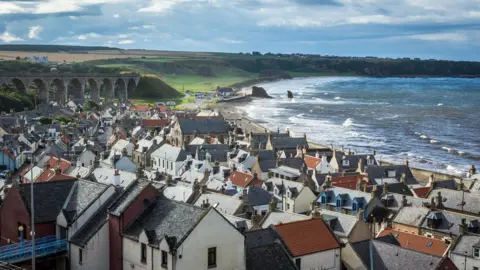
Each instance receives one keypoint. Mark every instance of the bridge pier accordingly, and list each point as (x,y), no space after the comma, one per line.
(94,85)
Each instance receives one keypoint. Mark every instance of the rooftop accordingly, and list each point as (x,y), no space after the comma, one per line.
(419,243)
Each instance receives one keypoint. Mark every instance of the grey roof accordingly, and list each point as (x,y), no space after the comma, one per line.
(266,165)
(203,125)
(94,224)
(249,162)
(127,197)
(216,151)
(449,184)
(82,195)
(9,121)
(379,172)
(383,255)
(163,218)
(266,155)
(465,243)
(49,198)
(258,196)
(170,153)
(344,223)
(412,216)
(288,142)
(394,201)
(352,160)
(260,238)
(295,163)
(452,199)
(449,223)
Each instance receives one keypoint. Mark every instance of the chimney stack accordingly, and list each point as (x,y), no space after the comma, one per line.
(439,204)
(272,205)
(463,227)
(404,201)
(116,179)
(359,214)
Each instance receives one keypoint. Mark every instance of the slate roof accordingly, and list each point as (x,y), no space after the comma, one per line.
(295,163)
(266,155)
(49,198)
(465,243)
(343,224)
(265,250)
(82,195)
(452,199)
(258,196)
(379,172)
(380,255)
(394,201)
(418,243)
(127,197)
(216,151)
(202,125)
(288,142)
(94,224)
(275,218)
(319,239)
(353,161)
(448,184)
(412,216)
(449,222)
(266,165)
(164,217)
(170,153)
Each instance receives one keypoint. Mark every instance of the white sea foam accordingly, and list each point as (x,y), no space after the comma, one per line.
(424,137)
(348,122)
(433,141)
(337,98)
(326,94)
(440,104)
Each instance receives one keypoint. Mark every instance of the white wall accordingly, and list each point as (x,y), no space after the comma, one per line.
(212,231)
(329,259)
(167,166)
(95,253)
(194,251)
(86,215)
(303,202)
(459,261)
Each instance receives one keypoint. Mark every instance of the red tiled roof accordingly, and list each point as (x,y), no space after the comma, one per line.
(311,161)
(162,108)
(345,178)
(65,139)
(348,184)
(24,170)
(61,176)
(140,108)
(8,153)
(240,179)
(307,236)
(61,163)
(418,242)
(422,192)
(155,122)
(50,175)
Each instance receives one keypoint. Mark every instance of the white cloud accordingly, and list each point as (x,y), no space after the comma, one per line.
(159,6)
(230,41)
(116,16)
(452,37)
(88,35)
(73,18)
(33,31)
(7,37)
(126,41)
(149,26)
(10,8)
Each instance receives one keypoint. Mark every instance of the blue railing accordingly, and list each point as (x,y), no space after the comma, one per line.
(23,251)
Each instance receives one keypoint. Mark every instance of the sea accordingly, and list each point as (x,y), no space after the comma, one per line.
(434,122)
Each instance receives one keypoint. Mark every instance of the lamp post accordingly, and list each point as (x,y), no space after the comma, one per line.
(32,208)
(20,229)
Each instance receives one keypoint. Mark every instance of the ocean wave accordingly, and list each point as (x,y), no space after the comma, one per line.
(440,104)
(424,137)
(434,141)
(348,122)
(337,98)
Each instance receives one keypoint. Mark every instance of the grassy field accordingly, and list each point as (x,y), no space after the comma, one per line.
(202,84)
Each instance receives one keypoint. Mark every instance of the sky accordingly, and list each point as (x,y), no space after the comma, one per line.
(440,29)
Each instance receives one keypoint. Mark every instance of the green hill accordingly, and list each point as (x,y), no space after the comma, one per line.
(151,87)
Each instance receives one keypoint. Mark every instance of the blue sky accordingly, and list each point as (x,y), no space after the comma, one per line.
(442,29)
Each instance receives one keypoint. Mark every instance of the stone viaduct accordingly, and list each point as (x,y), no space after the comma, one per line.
(61,87)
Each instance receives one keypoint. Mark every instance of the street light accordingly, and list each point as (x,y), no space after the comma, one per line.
(32,208)
(20,229)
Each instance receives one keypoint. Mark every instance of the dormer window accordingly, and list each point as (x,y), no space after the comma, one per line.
(476,252)
(391,173)
(370,161)
(345,162)
(323,199)
(339,203)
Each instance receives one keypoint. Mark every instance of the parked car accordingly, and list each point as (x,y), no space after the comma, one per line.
(171,103)
(160,103)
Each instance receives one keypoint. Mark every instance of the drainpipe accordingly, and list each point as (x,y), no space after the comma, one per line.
(152,259)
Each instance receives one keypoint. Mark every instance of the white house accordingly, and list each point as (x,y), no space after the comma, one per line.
(122,144)
(311,244)
(173,235)
(467,249)
(168,159)
(293,196)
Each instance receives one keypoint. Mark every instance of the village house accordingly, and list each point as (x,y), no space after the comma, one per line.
(320,249)
(143,151)
(350,162)
(182,236)
(466,252)
(184,130)
(277,217)
(418,243)
(168,159)
(347,228)
(293,196)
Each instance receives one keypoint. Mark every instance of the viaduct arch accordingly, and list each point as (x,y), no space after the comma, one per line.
(62,87)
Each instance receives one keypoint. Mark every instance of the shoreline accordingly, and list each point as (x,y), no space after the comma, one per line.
(234,104)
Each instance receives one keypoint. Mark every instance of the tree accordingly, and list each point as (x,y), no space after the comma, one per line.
(91,105)
(17,58)
(46,121)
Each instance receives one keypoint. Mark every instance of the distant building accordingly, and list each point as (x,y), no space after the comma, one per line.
(37,59)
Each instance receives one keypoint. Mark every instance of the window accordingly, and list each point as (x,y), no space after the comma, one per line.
(475,268)
(354,207)
(288,206)
(163,163)
(391,174)
(80,256)
(164,258)
(143,253)
(476,252)
(323,199)
(339,202)
(298,263)
(346,162)
(212,257)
